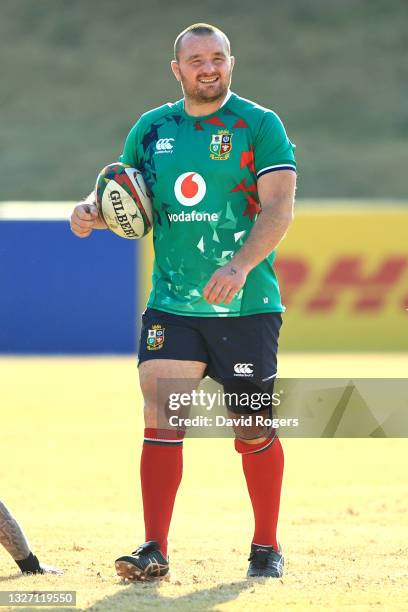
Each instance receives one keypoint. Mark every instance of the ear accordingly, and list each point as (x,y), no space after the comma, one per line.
(175,69)
(232,58)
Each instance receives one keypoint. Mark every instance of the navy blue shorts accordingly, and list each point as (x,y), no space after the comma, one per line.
(234,348)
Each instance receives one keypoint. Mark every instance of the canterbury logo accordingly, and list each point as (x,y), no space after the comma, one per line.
(164,144)
(245,369)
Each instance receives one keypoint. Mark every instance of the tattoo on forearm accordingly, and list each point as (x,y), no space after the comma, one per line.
(12,536)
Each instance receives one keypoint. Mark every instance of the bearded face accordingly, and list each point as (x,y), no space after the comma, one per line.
(204,68)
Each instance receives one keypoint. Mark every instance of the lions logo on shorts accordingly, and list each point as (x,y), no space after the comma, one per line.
(155,337)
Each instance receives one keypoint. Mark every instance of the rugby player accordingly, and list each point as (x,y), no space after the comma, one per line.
(222,174)
(15,542)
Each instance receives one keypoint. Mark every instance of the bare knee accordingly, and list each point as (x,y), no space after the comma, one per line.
(159,378)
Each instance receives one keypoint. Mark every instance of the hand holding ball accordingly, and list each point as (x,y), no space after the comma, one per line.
(123,201)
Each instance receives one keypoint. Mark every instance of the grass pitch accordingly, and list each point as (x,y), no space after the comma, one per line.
(70,439)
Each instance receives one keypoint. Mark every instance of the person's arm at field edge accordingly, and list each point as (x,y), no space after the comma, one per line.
(15,542)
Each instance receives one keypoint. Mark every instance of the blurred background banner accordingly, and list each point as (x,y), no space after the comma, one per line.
(60,294)
(343,271)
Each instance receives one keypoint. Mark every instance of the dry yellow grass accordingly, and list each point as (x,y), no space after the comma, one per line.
(70,439)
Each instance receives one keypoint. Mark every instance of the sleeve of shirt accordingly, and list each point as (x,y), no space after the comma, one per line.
(273,150)
(129,155)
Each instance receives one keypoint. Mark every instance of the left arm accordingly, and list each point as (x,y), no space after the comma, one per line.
(276,191)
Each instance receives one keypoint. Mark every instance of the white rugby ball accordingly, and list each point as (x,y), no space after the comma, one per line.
(124,201)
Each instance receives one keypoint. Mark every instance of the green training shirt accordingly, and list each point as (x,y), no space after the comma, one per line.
(202,174)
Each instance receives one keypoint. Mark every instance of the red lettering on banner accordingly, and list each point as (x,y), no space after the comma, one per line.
(346,273)
(292,273)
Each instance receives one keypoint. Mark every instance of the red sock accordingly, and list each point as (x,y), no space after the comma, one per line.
(263,468)
(161,468)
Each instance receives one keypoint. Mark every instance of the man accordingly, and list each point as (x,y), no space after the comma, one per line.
(15,542)
(222,175)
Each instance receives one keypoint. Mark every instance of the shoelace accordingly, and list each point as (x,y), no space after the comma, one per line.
(260,557)
(144,548)
(138,551)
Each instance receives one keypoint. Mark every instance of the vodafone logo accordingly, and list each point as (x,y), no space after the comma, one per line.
(190,188)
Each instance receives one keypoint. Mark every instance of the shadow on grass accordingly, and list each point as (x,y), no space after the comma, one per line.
(10,577)
(147,596)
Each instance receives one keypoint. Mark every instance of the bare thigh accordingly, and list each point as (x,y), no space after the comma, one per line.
(161,377)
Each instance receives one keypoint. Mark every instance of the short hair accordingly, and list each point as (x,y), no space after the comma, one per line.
(198,29)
